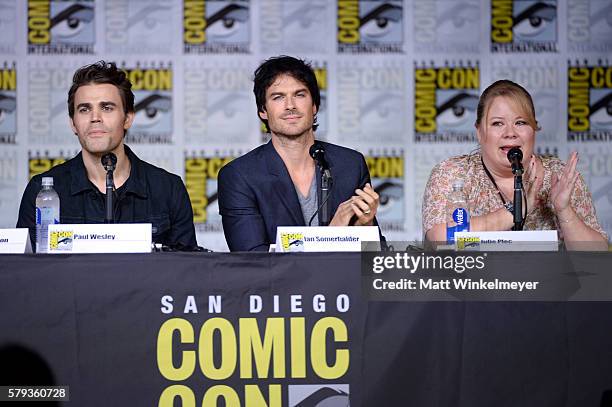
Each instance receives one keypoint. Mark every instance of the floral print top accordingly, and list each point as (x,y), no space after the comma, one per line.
(483,197)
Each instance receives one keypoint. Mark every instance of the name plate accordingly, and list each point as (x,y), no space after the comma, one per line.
(100,238)
(15,241)
(324,238)
(525,240)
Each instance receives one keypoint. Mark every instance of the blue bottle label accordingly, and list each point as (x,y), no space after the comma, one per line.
(462,219)
(450,234)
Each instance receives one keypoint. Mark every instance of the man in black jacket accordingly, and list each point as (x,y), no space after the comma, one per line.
(101,110)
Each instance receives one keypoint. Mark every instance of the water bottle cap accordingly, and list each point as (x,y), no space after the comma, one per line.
(47,181)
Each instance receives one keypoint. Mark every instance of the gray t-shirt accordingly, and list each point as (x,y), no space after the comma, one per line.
(309,203)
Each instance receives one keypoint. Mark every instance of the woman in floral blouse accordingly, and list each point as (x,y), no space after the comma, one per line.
(556,195)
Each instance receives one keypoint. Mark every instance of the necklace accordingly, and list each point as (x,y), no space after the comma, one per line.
(507,204)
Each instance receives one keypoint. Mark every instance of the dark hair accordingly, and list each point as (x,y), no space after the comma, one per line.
(98,73)
(515,92)
(271,68)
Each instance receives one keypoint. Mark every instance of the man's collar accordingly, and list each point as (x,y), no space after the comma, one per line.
(134,184)
(136,181)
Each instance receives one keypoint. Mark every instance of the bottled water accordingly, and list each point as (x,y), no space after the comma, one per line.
(47,212)
(458,217)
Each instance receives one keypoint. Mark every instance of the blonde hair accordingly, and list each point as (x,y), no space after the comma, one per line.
(517,95)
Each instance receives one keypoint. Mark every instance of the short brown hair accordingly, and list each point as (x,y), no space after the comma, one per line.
(99,73)
(513,91)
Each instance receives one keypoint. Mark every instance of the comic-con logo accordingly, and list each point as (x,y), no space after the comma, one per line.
(446,25)
(201,174)
(292,242)
(42,162)
(61,240)
(48,83)
(589,102)
(152,87)
(299,25)
(468,243)
(8,104)
(61,26)
(524,26)
(138,26)
(216,26)
(387,173)
(216,99)
(8,26)
(445,101)
(370,26)
(589,25)
(371,101)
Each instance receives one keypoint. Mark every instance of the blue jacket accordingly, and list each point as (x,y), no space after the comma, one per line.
(256,194)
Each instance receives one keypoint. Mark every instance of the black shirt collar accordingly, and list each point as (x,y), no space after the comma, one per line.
(135,183)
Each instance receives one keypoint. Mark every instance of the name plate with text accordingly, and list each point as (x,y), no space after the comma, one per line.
(100,238)
(324,238)
(15,241)
(524,240)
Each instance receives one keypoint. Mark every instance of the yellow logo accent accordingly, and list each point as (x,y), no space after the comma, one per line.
(292,242)
(61,240)
(468,242)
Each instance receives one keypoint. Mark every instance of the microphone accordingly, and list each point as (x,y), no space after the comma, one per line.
(317,152)
(109,161)
(515,156)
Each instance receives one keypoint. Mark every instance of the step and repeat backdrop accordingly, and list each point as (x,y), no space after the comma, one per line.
(400,81)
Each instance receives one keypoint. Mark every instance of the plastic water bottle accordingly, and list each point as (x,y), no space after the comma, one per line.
(458,216)
(47,213)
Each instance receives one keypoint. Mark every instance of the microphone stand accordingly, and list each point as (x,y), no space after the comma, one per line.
(110,186)
(326,180)
(518,196)
(109,161)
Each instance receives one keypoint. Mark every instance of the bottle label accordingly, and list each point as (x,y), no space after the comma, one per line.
(462,219)
(45,215)
(450,234)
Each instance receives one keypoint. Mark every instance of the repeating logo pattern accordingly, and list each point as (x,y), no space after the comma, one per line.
(446,25)
(371,102)
(524,26)
(216,26)
(589,26)
(445,101)
(152,85)
(61,26)
(201,171)
(589,101)
(8,26)
(8,103)
(218,103)
(295,26)
(387,172)
(139,26)
(399,80)
(370,26)
(47,113)
(42,161)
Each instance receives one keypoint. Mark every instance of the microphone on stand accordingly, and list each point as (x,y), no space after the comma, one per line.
(515,156)
(317,152)
(109,162)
